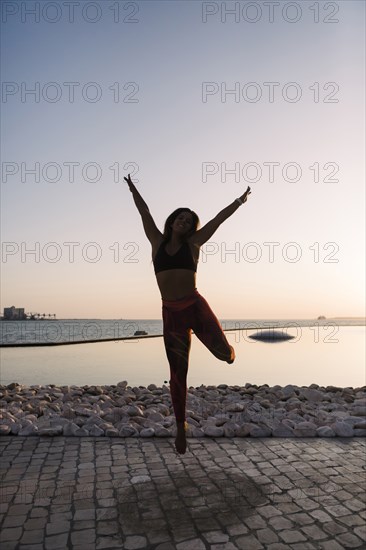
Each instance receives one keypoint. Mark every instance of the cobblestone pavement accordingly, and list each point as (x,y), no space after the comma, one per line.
(223,494)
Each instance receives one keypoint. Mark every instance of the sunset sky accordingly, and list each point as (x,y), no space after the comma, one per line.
(196,103)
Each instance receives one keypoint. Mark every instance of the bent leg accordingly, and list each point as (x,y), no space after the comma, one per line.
(208,329)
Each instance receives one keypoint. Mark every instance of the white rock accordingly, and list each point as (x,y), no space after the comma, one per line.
(325,431)
(255,407)
(4,429)
(211,420)
(359,411)
(83,411)
(58,395)
(213,431)
(29,429)
(234,407)
(197,432)
(111,432)
(315,396)
(288,391)
(352,420)
(192,414)
(97,421)
(293,401)
(295,417)
(305,429)
(340,414)
(342,429)
(192,422)
(15,427)
(155,417)
(323,417)
(265,403)
(259,431)
(222,417)
(135,425)
(58,421)
(160,431)
(7,415)
(127,431)
(95,431)
(230,429)
(168,421)
(282,430)
(360,425)
(147,432)
(163,409)
(360,400)
(133,410)
(29,419)
(243,430)
(288,422)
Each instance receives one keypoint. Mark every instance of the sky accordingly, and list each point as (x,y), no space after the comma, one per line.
(197,100)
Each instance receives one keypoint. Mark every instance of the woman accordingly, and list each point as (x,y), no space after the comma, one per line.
(175,255)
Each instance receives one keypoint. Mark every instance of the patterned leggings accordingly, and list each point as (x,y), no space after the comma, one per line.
(179,318)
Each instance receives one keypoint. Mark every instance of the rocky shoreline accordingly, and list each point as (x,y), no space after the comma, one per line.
(212,411)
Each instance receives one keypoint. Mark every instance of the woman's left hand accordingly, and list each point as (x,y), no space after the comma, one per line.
(245,196)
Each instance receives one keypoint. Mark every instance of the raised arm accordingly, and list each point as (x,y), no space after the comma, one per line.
(151,231)
(205,233)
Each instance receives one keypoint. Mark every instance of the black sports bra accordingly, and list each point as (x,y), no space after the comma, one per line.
(182,259)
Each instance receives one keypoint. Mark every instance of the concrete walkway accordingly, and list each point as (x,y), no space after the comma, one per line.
(277,494)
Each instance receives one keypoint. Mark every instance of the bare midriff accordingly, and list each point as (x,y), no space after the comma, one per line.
(176,283)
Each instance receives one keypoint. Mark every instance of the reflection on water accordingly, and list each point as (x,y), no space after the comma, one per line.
(321,355)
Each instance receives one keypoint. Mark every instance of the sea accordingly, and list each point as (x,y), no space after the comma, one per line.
(99,351)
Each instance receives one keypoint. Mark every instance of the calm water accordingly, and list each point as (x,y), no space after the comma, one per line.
(85,330)
(328,353)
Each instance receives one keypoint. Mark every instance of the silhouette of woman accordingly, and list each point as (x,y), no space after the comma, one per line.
(175,255)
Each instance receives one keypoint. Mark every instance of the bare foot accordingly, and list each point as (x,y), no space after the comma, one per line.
(180,440)
(232,357)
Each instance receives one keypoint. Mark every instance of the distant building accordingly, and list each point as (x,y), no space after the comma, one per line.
(14,313)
